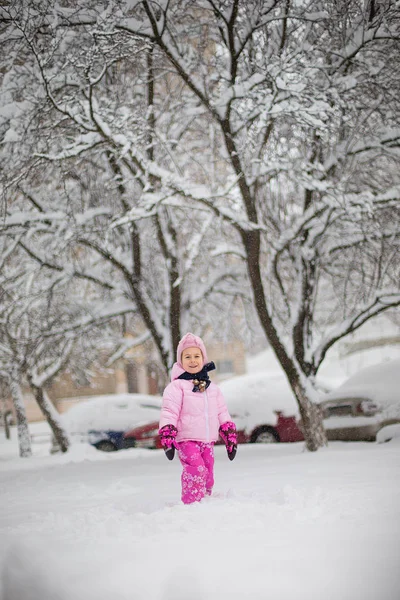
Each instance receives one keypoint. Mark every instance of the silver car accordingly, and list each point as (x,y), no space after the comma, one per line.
(351,419)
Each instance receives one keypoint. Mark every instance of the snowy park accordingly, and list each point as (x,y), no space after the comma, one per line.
(227,169)
(282,523)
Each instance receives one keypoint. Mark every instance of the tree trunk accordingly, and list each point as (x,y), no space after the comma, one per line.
(52,417)
(313,429)
(311,419)
(6,424)
(24,438)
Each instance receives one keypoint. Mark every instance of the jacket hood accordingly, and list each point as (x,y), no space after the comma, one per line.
(177,370)
(191,341)
(188,341)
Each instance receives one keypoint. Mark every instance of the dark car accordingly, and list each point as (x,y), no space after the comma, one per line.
(108,440)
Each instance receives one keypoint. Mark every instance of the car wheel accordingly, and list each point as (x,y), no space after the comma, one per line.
(128,443)
(264,435)
(106,446)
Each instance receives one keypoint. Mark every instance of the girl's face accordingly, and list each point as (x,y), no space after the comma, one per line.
(192,360)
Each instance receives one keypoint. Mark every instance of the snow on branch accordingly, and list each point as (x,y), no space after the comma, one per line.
(311,217)
(204,290)
(383,300)
(195,246)
(389,138)
(179,192)
(225,248)
(64,269)
(127,344)
(391,195)
(360,38)
(24,218)
(96,318)
(27,218)
(71,151)
(40,379)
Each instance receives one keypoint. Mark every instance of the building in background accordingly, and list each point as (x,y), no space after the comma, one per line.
(139,372)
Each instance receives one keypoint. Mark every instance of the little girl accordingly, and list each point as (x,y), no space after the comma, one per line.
(193,413)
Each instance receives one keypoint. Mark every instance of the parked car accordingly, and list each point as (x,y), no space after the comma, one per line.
(365,403)
(143,436)
(102,420)
(285,429)
(351,419)
(262,406)
(265,410)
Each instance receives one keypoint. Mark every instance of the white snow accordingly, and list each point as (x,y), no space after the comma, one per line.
(338,366)
(283,523)
(388,433)
(379,383)
(111,412)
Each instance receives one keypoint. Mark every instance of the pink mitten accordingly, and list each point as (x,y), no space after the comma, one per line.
(168,435)
(227,431)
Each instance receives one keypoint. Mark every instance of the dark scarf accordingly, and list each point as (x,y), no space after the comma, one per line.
(201,379)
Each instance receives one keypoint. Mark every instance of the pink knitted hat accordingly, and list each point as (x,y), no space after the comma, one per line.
(190,341)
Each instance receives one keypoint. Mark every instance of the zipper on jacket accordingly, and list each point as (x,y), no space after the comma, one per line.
(206,416)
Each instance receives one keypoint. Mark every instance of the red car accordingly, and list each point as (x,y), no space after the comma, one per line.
(285,429)
(143,436)
(265,411)
(262,406)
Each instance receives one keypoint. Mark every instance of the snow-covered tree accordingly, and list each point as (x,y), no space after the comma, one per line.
(11,376)
(93,89)
(275,119)
(46,329)
(303,104)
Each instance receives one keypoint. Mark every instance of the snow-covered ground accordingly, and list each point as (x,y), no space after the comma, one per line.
(283,524)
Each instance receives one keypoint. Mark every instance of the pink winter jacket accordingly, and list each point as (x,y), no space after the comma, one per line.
(196,415)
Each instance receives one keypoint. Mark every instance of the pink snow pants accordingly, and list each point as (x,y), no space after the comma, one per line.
(197,459)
